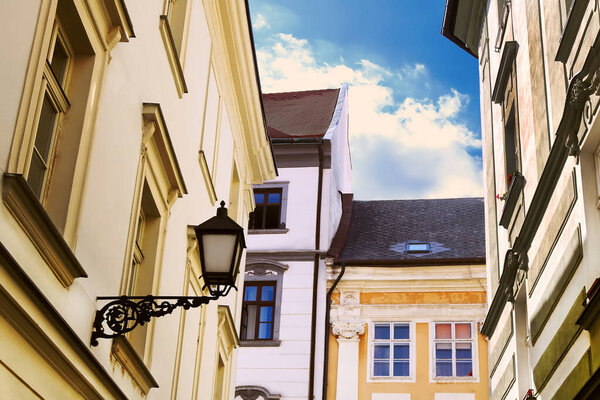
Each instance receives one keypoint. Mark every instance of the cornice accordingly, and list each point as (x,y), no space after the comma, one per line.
(235,71)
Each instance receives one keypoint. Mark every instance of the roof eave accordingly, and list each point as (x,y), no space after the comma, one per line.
(411,263)
(449,23)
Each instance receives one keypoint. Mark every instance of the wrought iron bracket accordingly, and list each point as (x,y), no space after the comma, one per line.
(123,313)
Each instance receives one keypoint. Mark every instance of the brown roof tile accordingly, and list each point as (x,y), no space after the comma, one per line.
(300,114)
(379,231)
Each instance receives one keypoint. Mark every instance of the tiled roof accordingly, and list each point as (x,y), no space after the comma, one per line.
(379,231)
(300,114)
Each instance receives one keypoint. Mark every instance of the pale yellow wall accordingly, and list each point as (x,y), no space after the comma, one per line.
(422,387)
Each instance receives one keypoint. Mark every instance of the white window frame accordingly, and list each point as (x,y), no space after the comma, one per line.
(412,353)
(474,353)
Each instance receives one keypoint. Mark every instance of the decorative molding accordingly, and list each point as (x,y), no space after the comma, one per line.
(570,259)
(284,255)
(127,357)
(18,290)
(267,231)
(509,55)
(254,392)
(227,331)
(514,194)
(119,17)
(172,55)
(569,34)
(348,330)
(208,182)
(152,113)
(45,236)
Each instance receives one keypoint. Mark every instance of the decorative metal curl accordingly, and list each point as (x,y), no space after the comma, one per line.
(124,313)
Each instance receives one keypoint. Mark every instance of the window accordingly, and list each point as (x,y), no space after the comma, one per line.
(417,247)
(267,214)
(391,350)
(453,349)
(258,310)
(54,105)
(263,282)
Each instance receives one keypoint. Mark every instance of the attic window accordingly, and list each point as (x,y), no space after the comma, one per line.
(417,248)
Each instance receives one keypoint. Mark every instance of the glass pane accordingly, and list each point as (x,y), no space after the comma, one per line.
(443,331)
(36,175)
(462,331)
(382,352)
(443,351)
(267,293)
(381,368)
(43,136)
(401,351)
(266,314)
(417,247)
(382,331)
(259,198)
(272,221)
(218,250)
(274,198)
(401,332)
(59,61)
(443,368)
(464,368)
(250,293)
(250,322)
(401,368)
(463,351)
(264,331)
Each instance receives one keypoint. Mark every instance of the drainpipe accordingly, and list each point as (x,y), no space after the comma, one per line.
(313,322)
(328,327)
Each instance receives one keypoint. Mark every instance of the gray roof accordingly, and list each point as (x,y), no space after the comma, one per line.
(379,231)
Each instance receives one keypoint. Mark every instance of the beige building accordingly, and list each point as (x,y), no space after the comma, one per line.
(123,123)
(539,76)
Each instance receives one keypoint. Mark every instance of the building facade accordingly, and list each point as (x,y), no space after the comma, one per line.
(407,283)
(296,216)
(123,124)
(538,68)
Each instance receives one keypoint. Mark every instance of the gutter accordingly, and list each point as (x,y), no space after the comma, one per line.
(313,322)
(566,144)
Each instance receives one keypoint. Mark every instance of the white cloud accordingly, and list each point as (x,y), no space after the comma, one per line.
(260,22)
(415,148)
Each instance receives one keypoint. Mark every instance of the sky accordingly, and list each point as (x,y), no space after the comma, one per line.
(413,95)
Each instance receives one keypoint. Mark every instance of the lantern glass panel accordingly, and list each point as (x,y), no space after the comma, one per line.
(218,252)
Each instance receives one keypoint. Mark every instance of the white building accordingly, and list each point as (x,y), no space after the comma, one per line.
(296,217)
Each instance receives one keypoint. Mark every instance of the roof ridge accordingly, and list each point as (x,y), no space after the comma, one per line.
(300,91)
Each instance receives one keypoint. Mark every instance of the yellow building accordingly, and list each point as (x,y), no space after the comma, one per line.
(407,288)
(123,124)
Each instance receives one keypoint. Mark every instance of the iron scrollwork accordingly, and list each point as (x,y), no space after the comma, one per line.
(123,313)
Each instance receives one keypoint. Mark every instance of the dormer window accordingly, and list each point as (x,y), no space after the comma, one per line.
(420,247)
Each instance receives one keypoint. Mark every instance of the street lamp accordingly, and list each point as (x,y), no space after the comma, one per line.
(220,243)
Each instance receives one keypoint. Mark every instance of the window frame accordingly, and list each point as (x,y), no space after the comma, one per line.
(57,93)
(266,270)
(474,341)
(283,228)
(371,377)
(259,303)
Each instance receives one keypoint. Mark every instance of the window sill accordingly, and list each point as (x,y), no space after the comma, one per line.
(267,231)
(125,354)
(454,379)
(44,235)
(510,203)
(172,56)
(260,343)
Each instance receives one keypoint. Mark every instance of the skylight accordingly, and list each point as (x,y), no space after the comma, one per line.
(417,247)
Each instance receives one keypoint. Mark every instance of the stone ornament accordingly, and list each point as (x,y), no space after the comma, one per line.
(348,330)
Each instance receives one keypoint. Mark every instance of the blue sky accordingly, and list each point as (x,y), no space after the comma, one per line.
(414,103)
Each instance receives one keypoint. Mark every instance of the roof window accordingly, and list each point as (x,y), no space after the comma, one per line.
(417,247)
